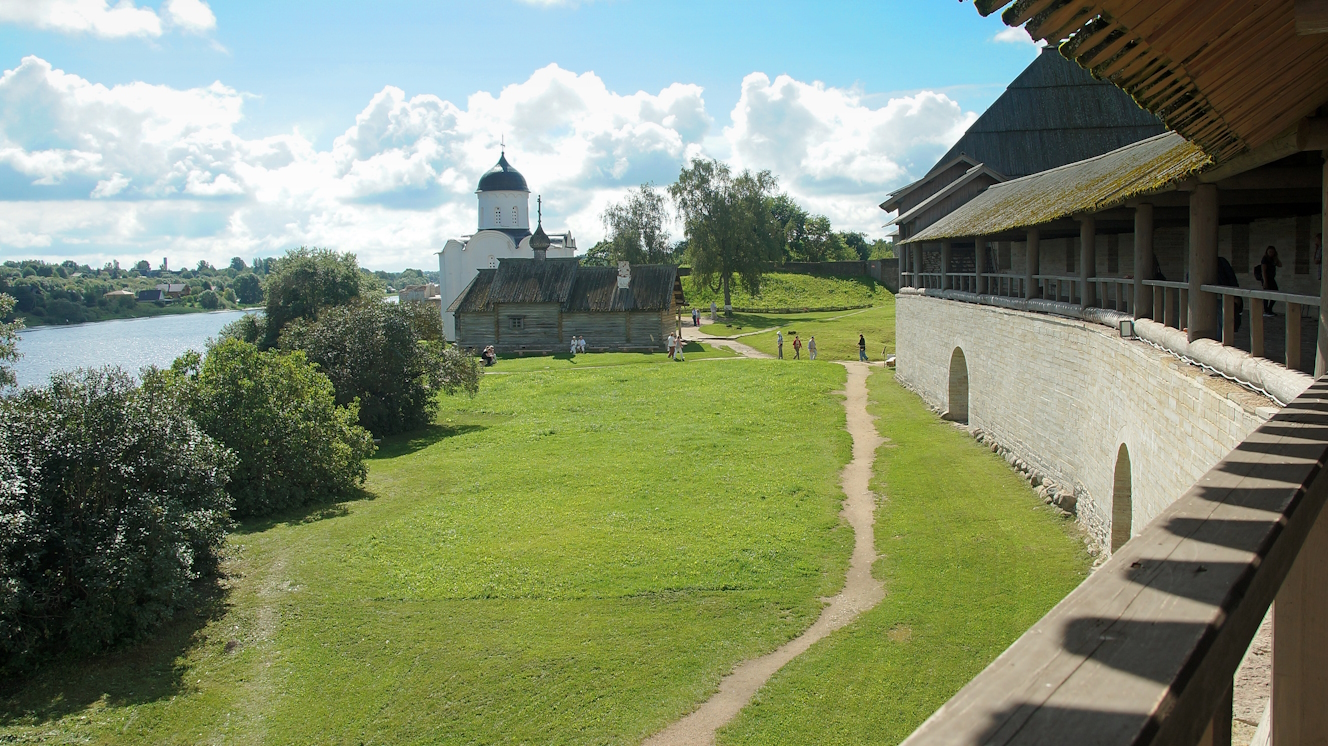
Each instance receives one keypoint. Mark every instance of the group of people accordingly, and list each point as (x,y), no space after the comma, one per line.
(489,355)
(578,344)
(797,346)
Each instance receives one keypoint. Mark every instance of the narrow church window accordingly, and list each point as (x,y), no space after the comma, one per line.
(516,221)
(497,216)
(518,322)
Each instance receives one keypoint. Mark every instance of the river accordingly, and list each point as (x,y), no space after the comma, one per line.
(129,343)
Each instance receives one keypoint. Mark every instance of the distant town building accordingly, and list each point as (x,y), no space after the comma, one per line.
(504,233)
(174,289)
(420,293)
(126,293)
(149,296)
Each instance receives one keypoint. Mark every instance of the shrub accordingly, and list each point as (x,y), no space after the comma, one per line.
(390,357)
(208,299)
(279,415)
(305,282)
(111,504)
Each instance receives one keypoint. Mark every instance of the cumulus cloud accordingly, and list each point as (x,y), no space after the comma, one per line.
(100,18)
(1016,35)
(96,172)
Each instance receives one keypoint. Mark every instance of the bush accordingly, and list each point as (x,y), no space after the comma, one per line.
(305,282)
(388,356)
(111,505)
(208,299)
(279,415)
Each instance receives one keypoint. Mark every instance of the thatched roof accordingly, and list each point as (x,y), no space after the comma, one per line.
(1087,186)
(1054,113)
(652,287)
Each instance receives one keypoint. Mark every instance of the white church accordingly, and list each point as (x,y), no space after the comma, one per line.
(504,233)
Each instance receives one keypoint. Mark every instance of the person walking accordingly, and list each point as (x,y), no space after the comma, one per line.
(714,311)
(671,345)
(779,344)
(862,348)
(797,347)
(696,317)
(811,347)
(1268,275)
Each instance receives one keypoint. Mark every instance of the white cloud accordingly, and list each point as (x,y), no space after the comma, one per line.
(100,18)
(141,169)
(1016,35)
(190,15)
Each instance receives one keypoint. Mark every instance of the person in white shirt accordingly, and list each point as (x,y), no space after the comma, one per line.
(811,347)
(581,344)
(573,347)
(779,344)
(671,345)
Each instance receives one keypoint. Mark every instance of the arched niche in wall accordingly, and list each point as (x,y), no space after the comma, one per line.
(957,405)
(1122,507)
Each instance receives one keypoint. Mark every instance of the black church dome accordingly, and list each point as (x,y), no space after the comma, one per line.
(503,178)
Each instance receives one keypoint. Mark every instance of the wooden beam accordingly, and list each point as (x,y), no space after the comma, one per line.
(1311,17)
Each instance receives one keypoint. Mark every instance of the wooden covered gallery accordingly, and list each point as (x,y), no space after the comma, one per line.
(536,306)
(1145,650)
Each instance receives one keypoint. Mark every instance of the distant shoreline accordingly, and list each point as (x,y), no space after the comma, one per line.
(157,312)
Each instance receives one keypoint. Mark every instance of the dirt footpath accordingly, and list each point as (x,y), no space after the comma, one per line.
(861,591)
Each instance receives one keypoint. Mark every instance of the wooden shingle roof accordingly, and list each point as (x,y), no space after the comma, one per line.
(653,287)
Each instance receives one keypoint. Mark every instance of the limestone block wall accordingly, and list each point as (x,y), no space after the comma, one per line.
(1065,395)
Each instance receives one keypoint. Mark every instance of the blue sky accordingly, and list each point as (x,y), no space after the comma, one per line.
(229,128)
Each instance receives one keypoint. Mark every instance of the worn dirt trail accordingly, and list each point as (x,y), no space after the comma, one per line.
(861,591)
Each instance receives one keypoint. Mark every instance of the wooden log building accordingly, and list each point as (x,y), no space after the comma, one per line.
(536,306)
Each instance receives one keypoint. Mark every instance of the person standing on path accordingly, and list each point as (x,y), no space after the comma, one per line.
(714,311)
(696,317)
(1268,275)
(797,347)
(671,345)
(811,347)
(862,348)
(779,344)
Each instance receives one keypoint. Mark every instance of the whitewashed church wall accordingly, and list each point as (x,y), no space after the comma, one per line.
(1064,395)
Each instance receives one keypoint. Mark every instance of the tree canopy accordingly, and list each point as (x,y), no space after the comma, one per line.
(634,229)
(731,231)
(304,283)
(8,341)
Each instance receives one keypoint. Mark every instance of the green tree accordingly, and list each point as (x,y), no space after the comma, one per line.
(388,356)
(857,244)
(237,264)
(8,341)
(598,255)
(208,299)
(278,414)
(114,503)
(304,283)
(634,229)
(728,223)
(248,288)
(142,266)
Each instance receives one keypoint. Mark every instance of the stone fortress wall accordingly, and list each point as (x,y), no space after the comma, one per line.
(1123,426)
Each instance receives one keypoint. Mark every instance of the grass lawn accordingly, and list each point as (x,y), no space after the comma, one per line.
(786,290)
(970,559)
(566,361)
(570,557)
(836,333)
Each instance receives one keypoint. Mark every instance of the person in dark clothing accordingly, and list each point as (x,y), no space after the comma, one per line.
(862,348)
(1268,275)
(1226,277)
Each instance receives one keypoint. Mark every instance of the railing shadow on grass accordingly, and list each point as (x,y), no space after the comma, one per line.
(137,673)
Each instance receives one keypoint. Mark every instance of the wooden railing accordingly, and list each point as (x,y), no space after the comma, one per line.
(1144,650)
(1058,287)
(1295,305)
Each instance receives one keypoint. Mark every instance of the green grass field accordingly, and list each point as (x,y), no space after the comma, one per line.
(785,291)
(570,557)
(836,333)
(970,559)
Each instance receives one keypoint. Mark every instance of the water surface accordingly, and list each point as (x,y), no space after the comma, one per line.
(129,343)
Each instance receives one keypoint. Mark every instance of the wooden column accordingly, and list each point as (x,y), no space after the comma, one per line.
(1202,316)
(1087,260)
(917,265)
(1256,328)
(1229,320)
(980,264)
(945,264)
(1293,336)
(1321,349)
(1032,263)
(1143,260)
(1300,645)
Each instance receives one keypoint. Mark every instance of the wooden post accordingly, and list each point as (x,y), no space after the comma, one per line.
(1321,348)
(1229,320)
(1203,262)
(1087,260)
(1256,328)
(1219,730)
(1183,309)
(917,265)
(1169,309)
(1032,263)
(945,264)
(1159,303)
(1143,260)
(1293,336)
(980,264)
(1300,647)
